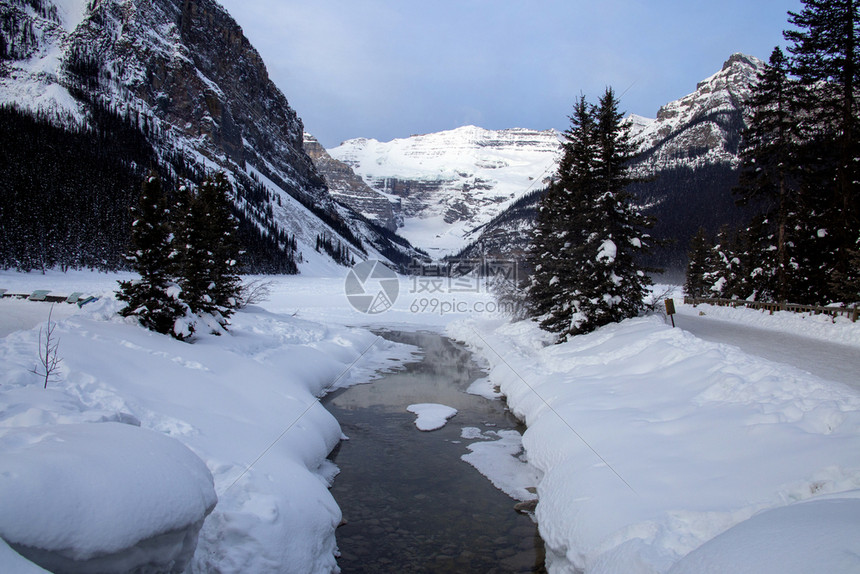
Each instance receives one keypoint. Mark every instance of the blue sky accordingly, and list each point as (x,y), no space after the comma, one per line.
(385,69)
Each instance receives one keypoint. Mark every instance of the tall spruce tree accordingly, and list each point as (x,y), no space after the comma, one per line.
(826,61)
(769,160)
(560,228)
(589,232)
(611,284)
(154,297)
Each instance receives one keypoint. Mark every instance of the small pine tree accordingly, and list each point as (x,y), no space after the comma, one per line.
(697,266)
(724,265)
(210,278)
(154,297)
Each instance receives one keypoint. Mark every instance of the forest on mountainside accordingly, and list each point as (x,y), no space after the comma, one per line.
(800,167)
(66,193)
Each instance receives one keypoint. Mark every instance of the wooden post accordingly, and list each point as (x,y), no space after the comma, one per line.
(670,310)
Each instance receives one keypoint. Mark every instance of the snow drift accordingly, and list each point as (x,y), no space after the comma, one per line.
(653,442)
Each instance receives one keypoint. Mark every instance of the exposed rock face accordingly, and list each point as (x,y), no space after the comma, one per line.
(348,188)
(189,63)
(184,71)
(702,128)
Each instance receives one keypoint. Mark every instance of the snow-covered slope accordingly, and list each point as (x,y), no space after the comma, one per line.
(653,443)
(187,74)
(445,184)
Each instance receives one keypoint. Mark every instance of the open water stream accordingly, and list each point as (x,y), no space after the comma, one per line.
(409,502)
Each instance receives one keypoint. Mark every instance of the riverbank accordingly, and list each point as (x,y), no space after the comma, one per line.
(244,403)
(653,442)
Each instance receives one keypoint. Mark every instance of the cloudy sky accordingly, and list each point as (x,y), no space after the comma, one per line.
(391,68)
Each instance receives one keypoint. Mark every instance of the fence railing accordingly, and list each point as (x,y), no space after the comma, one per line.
(852,313)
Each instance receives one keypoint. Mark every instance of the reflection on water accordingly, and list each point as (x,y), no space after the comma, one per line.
(410,503)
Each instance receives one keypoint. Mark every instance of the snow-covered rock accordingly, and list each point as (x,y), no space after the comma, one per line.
(104,497)
(704,126)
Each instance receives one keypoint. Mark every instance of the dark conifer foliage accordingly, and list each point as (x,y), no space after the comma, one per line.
(154,298)
(557,233)
(588,232)
(66,192)
(697,266)
(679,214)
(337,251)
(210,278)
(770,177)
(801,163)
(825,48)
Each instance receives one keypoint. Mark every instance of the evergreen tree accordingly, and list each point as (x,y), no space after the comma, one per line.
(759,279)
(697,266)
(588,231)
(153,298)
(769,159)
(560,229)
(723,265)
(613,286)
(210,278)
(826,62)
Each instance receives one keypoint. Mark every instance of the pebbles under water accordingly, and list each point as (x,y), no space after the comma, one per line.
(409,502)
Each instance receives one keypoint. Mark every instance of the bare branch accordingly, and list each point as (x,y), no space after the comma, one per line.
(49,357)
(254,291)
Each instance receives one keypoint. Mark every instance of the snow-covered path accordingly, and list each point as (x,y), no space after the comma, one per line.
(828,360)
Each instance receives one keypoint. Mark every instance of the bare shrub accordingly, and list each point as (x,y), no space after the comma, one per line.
(49,358)
(254,292)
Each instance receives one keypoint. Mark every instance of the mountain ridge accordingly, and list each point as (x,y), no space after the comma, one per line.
(691,144)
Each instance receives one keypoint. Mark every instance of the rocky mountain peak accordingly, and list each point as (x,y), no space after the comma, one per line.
(702,127)
(349,189)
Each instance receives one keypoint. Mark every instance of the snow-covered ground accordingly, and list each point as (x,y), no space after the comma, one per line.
(654,442)
(245,404)
(659,450)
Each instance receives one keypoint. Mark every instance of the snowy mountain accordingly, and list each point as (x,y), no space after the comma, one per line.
(184,72)
(688,154)
(703,127)
(348,188)
(443,185)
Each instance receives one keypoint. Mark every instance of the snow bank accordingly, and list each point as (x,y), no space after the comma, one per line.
(816,536)
(824,327)
(653,442)
(11,561)
(245,403)
(431,416)
(81,494)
